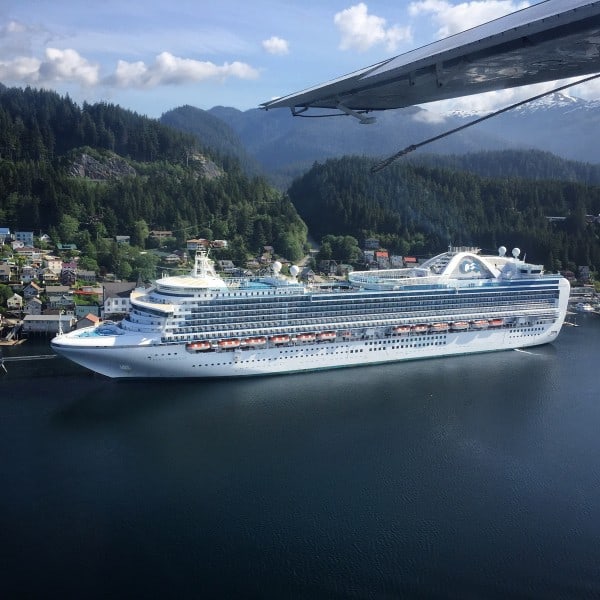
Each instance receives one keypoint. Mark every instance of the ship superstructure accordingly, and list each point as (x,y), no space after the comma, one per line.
(203,325)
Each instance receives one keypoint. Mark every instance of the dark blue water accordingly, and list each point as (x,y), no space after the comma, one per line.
(472,477)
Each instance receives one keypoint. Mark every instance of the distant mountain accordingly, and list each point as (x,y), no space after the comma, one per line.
(287,146)
(563,125)
(284,147)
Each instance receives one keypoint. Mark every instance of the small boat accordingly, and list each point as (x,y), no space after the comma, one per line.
(326,335)
(439,326)
(584,307)
(199,346)
(420,328)
(480,324)
(305,337)
(496,322)
(255,341)
(279,339)
(229,343)
(399,329)
(459,325)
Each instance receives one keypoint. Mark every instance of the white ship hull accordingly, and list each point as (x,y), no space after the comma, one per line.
(174,361)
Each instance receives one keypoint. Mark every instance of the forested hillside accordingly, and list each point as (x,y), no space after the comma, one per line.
(149,176)
(214,133)
(167,187)
(422,209)
(525,164)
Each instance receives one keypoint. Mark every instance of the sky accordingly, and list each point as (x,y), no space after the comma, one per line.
(153,56)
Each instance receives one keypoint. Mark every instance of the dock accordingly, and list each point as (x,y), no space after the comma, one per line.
(5,359)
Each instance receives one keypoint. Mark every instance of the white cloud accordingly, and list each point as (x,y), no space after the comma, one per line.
(20,69)
(361,31)
(58,66)
(276,45)
(453,18)
(168,69)
(67,65)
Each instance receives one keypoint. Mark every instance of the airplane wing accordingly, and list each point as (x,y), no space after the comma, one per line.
(548,41)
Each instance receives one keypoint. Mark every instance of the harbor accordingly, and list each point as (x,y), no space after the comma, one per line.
(340,484)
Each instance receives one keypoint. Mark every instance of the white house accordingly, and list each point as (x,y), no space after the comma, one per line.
(116,298)
(15,302)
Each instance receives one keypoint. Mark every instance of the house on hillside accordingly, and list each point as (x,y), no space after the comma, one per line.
(87,309)
(87,276)
(15,302)
(32,290)
(160,234)
(4,272)
(33,306)
(197,244)
(116,298)
(24,236)
(88,320)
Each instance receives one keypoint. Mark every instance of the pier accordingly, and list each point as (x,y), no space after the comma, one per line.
(5,359)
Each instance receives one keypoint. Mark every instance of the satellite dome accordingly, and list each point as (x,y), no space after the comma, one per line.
(294,270)
(502,250)
(276,267)
(516,252)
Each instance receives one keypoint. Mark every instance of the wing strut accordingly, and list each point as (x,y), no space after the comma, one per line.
(388,161)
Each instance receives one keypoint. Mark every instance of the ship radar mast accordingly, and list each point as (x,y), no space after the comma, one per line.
(203,266)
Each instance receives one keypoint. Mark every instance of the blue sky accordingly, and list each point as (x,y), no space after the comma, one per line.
(152,56)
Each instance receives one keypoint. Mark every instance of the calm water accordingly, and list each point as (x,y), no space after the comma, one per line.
(473,477)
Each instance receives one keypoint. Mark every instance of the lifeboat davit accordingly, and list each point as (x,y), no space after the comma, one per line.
(200,346)
(280,339)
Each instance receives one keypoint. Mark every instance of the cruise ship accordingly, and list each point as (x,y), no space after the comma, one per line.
(204,325)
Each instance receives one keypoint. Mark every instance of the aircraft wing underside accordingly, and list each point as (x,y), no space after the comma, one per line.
(553,40)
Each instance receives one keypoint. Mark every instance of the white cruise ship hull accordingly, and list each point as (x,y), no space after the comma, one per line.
(174,361)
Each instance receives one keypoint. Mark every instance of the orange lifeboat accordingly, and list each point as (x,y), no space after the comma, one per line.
(439,327)
(459,325)
(305,337)
(496,322)
(400,329)
(326,335)
(480,324)
(421,328)
(229,343)
(280,339)
(255,341)
(200,346)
